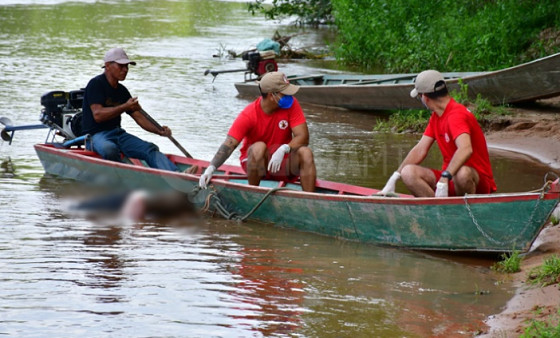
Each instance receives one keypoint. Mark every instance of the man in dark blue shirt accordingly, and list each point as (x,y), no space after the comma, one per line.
(105,99)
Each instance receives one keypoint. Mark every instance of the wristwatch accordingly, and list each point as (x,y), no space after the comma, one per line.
(447,174)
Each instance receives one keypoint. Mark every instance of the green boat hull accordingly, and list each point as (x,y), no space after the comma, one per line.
(469,224)
(484,223)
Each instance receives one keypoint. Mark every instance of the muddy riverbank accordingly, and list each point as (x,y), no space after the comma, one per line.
(532,131)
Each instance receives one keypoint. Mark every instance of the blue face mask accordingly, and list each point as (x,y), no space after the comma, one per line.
(286,101)
(424,103)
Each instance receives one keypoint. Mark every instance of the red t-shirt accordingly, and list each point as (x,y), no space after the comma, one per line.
(456,120)
(254,125)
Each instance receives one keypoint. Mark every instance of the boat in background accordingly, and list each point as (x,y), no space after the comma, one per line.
(530,81)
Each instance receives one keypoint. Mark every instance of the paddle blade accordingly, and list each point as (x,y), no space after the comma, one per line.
(6,121)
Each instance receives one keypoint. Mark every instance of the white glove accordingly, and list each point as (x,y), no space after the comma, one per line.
(442,189)
(390,185)
(277,158)
(205,178)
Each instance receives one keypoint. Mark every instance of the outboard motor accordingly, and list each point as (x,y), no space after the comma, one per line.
(53,102)
(258,63)
(63,112)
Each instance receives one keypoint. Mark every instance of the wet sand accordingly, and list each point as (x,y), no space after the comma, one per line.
(533,131)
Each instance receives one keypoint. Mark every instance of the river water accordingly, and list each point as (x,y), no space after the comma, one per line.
(68,274)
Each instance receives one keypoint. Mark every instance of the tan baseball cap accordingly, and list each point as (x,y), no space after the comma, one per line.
(428,82)
(119,56)
(277,82)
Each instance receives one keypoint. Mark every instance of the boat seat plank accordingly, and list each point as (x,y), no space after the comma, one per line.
(269,184)
(304,78)
(84,152)
(343,188)
(392,80)
(137,162)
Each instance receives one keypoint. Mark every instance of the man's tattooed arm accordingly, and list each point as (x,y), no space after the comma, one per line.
(225,151)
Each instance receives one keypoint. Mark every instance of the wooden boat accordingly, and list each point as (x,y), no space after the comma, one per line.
(482,223)
(530,81)
(486,223)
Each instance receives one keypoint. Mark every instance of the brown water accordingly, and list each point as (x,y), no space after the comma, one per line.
(63,273)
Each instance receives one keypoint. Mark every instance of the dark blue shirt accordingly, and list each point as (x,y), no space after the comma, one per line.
(99,91)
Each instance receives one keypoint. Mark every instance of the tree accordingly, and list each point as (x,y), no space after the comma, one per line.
(310,12)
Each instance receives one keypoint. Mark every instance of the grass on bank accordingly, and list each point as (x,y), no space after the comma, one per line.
(543,275)
(415,121)
(510,263)
(547,328)
(546,274)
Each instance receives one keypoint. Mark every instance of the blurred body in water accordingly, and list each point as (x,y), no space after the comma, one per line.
(138,205)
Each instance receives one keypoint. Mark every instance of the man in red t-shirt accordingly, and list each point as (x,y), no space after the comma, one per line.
(466,165)
(275,137)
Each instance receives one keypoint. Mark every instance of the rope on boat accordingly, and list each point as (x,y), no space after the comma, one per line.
(489,237)
(270,192)
(213,200)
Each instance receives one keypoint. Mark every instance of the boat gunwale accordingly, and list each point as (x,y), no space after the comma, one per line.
(380,82)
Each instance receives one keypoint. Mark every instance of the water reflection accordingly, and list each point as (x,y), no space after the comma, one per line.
(272,292)
(106,267)
(8,170)
(326,285)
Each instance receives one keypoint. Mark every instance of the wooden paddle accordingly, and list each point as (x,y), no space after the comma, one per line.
(155,123)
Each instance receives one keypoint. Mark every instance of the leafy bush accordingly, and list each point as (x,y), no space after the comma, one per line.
(448,35)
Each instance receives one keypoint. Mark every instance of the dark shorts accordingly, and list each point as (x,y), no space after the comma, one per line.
(484,184)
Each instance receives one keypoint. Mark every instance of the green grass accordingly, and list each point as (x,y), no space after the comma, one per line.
(548,328)
(411,121)
(546,274)
(510,263)
(480,107)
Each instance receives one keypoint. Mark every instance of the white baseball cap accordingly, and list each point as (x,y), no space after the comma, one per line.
(119,56)
(429,81)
